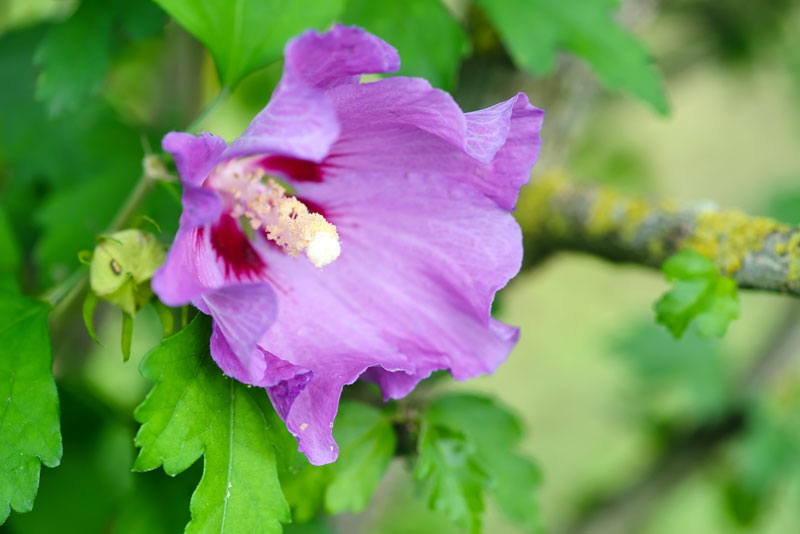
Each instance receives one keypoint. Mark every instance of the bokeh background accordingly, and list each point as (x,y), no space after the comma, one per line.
(633,431)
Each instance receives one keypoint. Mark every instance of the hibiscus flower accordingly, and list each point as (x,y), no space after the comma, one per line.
(354,230)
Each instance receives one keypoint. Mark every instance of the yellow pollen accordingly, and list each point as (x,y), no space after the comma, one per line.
(285,220)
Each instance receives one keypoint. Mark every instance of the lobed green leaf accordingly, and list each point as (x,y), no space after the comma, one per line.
(195,410)
(245,35)
(430,42)
(466,449)
(30,432)
(699,295)
(366,442)
(534,31)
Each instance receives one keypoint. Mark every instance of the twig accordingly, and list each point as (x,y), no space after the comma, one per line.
(556,214)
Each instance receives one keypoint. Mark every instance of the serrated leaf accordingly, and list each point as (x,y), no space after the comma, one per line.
(494,432)
(366,442)
(95,469)
(195,410)
(430,42)
(30,432)
(451,475)
(535,30)
(699,295)
(74,57)
(244,35)
(366,445)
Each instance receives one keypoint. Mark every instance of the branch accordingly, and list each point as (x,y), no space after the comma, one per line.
(557,214)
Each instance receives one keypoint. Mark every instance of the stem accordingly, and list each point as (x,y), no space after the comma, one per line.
(218,100)
(63,296)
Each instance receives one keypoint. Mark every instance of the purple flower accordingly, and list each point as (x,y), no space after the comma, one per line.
(383,261)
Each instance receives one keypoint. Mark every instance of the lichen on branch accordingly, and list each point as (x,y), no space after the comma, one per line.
(557,214)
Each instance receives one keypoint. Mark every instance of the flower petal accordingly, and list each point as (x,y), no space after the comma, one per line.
(506,137)
(398,103)
(299,120)
(411,292)
(309,410)
(207,258)
(195,157)
(177,281)
(339,56)
(200,206)
(493,149)
(241,313)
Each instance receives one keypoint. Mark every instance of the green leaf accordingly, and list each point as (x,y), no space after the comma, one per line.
(493,433)
(29,426)
(535,30)
(699,294)
(451,475)
(195,410)
(430,42)
(675,379)
(245,35)
(74,57)
(95,469)
(366,442)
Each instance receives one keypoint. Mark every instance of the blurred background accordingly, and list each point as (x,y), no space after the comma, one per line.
(633,431)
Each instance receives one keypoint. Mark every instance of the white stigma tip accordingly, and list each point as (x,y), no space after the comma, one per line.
(323,249)
(266,208)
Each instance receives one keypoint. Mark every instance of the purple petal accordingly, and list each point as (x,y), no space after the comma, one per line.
(339,56)
(242,313)
(507,134)
(177,281)
(421,133)
(200,206)
(299,120)
(399,103)
(195,157)
(309,411)
(207,258)
(412,290)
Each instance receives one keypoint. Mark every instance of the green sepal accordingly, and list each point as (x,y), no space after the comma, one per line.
(127,336)
(122,265)
(89,305)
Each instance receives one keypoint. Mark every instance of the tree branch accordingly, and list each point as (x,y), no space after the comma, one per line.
(556,214)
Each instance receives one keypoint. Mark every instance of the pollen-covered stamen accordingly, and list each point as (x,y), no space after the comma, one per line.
(284,219)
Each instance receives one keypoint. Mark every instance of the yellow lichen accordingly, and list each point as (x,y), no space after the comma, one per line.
(603,216)
(793,248)
(728,236)
(636,212)
(534,211)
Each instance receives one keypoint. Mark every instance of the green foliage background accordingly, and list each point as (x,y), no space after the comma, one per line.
(594,392)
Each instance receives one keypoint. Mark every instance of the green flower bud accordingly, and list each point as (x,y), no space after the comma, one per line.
(122,266)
